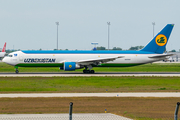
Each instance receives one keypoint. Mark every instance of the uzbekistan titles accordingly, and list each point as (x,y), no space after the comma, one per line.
(39,60)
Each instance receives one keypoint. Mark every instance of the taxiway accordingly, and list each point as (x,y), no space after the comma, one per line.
(67,74)
(143,94)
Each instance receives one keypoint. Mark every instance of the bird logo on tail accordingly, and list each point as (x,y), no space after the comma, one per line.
(161,40)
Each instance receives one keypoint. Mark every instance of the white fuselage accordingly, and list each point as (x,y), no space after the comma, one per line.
(19,57)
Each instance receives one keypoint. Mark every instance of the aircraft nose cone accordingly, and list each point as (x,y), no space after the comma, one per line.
(4,60)
(8,60)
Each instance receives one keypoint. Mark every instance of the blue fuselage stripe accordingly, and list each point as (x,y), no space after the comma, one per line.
(84,52)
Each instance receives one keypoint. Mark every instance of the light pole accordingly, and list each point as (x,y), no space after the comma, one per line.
(108,23)
(57,23)
(153,23)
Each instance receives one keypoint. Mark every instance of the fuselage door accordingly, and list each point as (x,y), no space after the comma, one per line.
(21,57)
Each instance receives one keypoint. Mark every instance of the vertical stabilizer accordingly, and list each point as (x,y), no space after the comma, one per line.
(4,48)
(159,42)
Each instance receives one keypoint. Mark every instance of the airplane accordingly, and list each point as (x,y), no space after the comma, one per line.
(72,60)
(2,54)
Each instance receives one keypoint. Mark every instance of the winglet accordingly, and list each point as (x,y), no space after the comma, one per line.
(4,48)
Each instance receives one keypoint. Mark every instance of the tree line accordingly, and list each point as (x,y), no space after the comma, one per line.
(118,48)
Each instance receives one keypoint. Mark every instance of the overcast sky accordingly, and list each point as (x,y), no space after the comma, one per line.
(30,24)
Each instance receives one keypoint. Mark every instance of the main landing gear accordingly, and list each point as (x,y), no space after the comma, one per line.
(88,71)
(16,70)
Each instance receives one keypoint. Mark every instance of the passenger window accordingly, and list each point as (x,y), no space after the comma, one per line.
(10,55)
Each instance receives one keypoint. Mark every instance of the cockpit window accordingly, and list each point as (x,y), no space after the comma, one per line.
(10,55)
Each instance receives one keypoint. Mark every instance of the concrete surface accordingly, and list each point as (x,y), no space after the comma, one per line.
(88,75)
(90,116)
(144,94)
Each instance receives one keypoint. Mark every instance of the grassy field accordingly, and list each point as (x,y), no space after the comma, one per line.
(89,84)
(155,67)
(139,108)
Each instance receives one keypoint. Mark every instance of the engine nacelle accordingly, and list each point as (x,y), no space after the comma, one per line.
(69,66)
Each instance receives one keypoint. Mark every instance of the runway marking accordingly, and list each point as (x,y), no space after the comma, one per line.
(143,94)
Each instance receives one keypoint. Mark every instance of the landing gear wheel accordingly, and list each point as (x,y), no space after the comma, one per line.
(17,71)
(88,71)
(84,71)
(92,71)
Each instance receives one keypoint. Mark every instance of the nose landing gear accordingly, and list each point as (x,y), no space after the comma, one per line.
(17,71)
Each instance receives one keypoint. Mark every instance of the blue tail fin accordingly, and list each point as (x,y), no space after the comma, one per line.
(159,42)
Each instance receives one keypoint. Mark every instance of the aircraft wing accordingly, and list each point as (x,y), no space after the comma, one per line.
(161,56)
(98,60)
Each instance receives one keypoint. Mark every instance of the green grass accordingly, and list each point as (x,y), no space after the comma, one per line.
(155,67)
(89,84)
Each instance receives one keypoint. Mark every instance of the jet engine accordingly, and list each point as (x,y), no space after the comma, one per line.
(71,66)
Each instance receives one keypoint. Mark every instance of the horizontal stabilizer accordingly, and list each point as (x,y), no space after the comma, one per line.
(161,56)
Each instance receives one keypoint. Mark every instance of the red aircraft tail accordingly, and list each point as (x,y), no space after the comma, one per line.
(4,48)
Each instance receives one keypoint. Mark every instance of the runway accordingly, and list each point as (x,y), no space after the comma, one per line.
(143,94)
(67,74)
